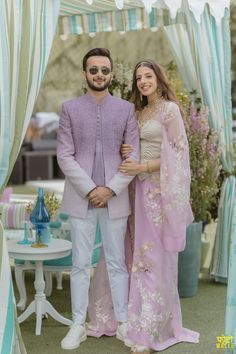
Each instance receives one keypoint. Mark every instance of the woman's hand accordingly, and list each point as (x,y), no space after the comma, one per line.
(125,149)
(131,168)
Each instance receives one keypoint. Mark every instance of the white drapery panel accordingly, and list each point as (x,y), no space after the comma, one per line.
(10,336)
(27,29)
(177,34)
(202,51)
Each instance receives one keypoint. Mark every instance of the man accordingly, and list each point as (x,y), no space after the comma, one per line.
(92,129)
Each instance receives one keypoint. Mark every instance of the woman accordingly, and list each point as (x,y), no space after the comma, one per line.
(161,214)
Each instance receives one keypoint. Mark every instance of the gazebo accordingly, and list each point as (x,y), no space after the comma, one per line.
(199,36)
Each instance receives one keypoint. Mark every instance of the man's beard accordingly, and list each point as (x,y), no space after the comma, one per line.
(97,88)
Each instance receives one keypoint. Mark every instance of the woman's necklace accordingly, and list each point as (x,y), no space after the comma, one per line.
(150,111)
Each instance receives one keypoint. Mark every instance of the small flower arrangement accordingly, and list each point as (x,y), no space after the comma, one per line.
(176,83)
(51,201)
(121,84)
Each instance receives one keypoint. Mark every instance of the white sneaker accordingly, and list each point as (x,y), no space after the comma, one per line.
(75,336)
(140,349)
(121,334)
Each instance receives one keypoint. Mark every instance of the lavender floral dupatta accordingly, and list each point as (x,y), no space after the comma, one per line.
(175,178)
(162,213)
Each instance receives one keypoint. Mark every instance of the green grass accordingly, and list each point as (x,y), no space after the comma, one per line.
(204,313)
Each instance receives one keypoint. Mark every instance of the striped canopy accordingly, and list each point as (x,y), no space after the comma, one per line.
(81,16)
(76,7)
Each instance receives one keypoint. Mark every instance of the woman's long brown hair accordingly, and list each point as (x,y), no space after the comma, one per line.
(164,88)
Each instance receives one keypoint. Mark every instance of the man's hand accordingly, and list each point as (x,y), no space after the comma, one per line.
(99,196)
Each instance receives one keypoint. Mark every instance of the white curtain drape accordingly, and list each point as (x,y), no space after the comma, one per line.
(203,55)
(26,33)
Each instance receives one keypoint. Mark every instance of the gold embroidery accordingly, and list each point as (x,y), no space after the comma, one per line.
(150,111)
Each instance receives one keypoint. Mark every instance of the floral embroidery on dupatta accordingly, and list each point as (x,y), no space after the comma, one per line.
(174,176)
(153,313)
(152,197)
(174,183)
(179,143)
(167,193)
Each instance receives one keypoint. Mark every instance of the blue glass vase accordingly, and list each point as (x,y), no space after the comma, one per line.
(40,218)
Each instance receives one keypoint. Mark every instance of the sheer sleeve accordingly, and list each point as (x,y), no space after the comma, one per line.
(174,180)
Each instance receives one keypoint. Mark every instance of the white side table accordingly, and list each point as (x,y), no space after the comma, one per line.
(57,248)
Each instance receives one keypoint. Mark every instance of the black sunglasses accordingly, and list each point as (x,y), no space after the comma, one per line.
(104,69)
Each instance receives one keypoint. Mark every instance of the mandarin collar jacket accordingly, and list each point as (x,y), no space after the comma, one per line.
(76,148)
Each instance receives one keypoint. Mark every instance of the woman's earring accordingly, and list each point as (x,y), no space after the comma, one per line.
(141,97)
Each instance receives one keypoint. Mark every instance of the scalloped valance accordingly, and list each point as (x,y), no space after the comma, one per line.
(217,8)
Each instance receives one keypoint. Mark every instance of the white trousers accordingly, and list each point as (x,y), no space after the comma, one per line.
(83,237)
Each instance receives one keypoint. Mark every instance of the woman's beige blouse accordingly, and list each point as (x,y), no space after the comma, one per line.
(150,140)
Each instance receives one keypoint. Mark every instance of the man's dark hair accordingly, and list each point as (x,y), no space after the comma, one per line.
(102,52)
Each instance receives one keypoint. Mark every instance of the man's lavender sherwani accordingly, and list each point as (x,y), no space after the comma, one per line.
(77,138)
